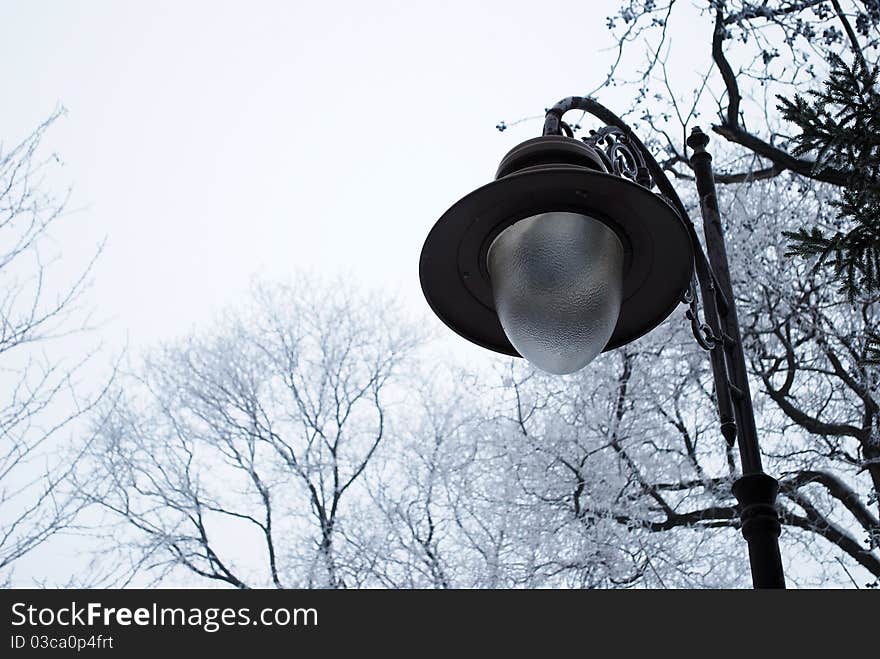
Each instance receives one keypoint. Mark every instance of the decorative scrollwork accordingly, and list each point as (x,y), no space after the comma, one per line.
(704,335)
(620,155)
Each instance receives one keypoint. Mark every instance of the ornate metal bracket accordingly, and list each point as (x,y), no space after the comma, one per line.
(625,155)
(620,155)
(706,338)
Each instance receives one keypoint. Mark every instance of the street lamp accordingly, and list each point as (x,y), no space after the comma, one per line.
(569,252)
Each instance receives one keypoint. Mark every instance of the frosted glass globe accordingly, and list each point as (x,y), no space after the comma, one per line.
(557,282)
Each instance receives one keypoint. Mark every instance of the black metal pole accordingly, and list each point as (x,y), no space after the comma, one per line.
(755,491)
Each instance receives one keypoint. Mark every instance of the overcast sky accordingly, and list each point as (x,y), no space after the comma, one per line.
(213,141)
(210,142)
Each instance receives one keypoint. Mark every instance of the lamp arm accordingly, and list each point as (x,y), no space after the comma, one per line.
(709,334)
(553,125)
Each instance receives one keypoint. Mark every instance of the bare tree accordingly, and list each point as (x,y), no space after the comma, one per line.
(793,87)
(630,454)
(235,455)
(267,454)
(43,397)
(753,51)
(631,478)
(817,413)
(524,480)
(410,542)
(809,351)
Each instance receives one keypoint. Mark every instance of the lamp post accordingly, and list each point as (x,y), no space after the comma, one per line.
(569,252)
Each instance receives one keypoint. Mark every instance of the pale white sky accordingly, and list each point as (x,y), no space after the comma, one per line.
(212,141)
(209,141)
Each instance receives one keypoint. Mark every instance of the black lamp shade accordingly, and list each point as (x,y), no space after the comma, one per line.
(546,175)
